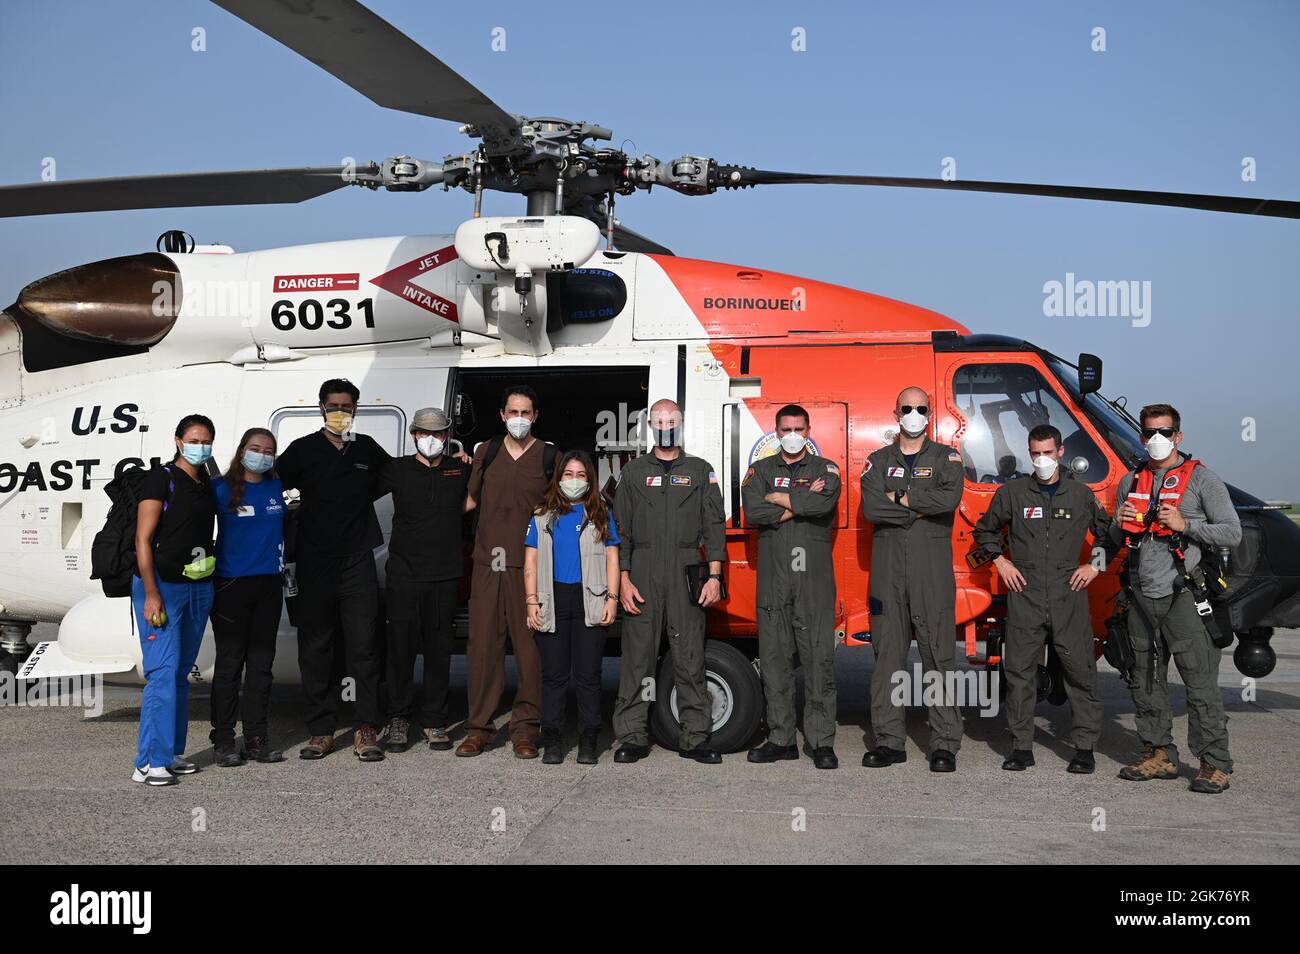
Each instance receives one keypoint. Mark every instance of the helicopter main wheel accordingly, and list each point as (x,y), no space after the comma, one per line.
(1254,656)
(1051,680)
(735,696)
(9,662)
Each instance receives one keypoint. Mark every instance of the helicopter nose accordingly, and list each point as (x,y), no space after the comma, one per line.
(131,300)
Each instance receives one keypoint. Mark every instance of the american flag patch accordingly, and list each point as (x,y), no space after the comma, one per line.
(713,477)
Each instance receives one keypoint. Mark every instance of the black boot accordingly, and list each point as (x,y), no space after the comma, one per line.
(1018,760)
(1083,763)
(553,746)
(882,756)
(587,752)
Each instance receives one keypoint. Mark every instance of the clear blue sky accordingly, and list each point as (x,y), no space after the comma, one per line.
(1012,91)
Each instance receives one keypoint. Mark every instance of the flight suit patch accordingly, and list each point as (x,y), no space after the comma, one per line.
(1033,513)
(954,457)
(1060,513)
(680,480)
(749,474)
(895,472)
(780,481)
(655,481)
(713,476)
(922,471)
(832,469)
(801,482)
(452,473)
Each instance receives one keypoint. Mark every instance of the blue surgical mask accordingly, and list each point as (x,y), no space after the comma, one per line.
(257,463)
(196,454)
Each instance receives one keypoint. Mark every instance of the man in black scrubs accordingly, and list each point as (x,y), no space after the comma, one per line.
(425,560)
(337,474)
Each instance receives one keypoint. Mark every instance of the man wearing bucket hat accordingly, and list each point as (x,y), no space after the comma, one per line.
(425,558)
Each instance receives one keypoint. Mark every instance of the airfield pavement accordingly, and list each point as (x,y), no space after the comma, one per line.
(66,795)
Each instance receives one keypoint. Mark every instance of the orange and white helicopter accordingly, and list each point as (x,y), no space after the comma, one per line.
(98,362)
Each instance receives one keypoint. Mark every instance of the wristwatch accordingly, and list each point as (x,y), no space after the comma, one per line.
(715,576)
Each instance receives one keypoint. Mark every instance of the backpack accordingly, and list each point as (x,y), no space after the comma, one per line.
(549,454)
(112,553)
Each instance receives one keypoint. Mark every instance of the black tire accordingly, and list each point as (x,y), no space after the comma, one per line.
(737,695)
(9,662)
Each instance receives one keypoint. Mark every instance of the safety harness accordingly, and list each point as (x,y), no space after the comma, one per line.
(1147,500)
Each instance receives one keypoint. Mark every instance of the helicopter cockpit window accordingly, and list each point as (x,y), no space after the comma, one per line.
(1002,403)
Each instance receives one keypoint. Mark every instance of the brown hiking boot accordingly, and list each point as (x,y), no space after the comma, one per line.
(366,745)
(1209,780)
(1153,763)
(317,747)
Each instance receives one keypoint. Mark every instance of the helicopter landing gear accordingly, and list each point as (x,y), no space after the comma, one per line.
(1254,656)
(13,645)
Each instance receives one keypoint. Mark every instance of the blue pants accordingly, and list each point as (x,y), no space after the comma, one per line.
(169,654)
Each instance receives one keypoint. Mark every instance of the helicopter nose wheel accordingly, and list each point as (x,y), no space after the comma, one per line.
(1254,656)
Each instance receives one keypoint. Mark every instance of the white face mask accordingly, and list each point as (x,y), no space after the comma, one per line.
(519,427)
(1159,447)
(792,443)
(573,488)
(1045,467)
(430,446)
(914,423)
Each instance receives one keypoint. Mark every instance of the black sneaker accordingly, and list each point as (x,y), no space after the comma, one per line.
(259,750)
(771,752)
(587,750)
(553,745)
(228,756)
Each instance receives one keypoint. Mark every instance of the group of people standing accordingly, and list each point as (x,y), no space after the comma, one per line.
(552,565)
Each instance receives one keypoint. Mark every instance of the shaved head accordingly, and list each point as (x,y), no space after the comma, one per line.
(665,413)
(913,396)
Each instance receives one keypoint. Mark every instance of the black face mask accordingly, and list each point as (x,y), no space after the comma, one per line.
(665,437)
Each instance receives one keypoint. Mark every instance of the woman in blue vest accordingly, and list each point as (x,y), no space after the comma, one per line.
(571,587)
(171,595)
(248,597)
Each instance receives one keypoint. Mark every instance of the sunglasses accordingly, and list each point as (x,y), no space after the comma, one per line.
(1150,432)
(909,408)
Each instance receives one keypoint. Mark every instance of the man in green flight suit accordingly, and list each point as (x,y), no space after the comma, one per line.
(910,490)
(1049,515)
(668,505)
(792,497)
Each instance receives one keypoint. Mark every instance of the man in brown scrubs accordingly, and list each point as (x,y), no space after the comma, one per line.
(508,480)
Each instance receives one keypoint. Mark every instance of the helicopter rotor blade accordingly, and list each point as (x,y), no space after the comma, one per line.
(626,240)
(376,59)
(739,177)
(178,190)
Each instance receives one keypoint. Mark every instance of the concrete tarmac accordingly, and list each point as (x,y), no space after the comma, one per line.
(66,795)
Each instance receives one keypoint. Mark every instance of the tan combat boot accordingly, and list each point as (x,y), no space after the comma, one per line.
(1209,780)
(1153,763)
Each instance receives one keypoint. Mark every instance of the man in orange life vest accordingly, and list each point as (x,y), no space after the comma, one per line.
(1169,507)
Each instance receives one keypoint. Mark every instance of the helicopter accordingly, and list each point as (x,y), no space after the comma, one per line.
(97,361)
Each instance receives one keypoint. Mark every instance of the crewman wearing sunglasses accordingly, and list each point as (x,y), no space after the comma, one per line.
(1170,507)
(911,489)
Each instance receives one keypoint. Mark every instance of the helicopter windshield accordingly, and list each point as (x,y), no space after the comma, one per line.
(1118,430)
